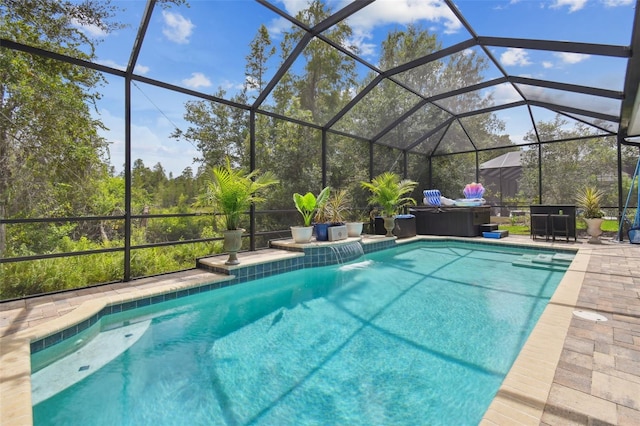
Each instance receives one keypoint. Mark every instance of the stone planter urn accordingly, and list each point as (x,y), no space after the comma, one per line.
(232,244)
(594,230)
(389,224)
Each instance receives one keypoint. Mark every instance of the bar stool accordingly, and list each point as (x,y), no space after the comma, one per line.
(559,226)
(540,226)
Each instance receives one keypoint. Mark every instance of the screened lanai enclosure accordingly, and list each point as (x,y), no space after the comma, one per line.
(113,113)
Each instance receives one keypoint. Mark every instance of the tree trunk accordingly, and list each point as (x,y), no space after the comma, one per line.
(103,233)
(3,231)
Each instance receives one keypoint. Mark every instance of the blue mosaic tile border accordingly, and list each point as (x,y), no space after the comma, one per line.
(262,270)
(331,255)
(69,332)
(377,246)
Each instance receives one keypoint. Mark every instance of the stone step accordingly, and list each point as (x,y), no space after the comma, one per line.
(552,262)
(527,263)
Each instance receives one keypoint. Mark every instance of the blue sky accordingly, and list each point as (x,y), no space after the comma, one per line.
(203,47)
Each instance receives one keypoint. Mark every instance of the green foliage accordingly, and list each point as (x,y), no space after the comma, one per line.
(452,172)
(46,275)
(338,206)
(217,130)
(308,204)
(575,163)
(389,192)
(54,163)
(589,200)
(174,228)
(232,191)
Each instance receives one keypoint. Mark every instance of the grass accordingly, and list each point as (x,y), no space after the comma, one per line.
(515,229)
(519,229)
(610,226)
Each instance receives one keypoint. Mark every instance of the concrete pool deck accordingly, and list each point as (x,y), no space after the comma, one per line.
(571,371)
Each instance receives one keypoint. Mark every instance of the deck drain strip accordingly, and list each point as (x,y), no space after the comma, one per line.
(588,315)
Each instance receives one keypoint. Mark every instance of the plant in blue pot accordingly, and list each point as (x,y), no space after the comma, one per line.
(307,204)
(331,213)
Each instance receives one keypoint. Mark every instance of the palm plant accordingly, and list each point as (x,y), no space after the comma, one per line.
(388,192)
(589,200)
(232,191)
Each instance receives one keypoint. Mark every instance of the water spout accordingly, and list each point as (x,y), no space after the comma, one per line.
(347,252)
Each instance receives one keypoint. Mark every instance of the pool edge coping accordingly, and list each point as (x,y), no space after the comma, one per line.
(524,392)
(513,402)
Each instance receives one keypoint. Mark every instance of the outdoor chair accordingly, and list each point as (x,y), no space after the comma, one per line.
(540,226)
(559,226)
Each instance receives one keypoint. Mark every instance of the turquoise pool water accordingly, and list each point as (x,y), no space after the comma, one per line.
(421,334)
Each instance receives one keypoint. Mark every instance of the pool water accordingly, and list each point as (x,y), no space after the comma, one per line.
(420,334)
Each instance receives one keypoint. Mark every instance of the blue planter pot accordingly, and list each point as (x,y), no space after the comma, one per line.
(322,231)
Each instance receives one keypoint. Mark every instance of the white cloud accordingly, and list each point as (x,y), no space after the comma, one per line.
(515,57)
(574,5)
(176,27)
(292,7)
(504,94)
(89,29)
(379,13)
(141,69)
(230,85)
(359,40)
(278,26)
(404,12)
(571,58)
(197,80)
(547,64)
(616,3)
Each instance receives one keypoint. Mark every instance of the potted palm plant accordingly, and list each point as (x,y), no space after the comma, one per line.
(588,199)
(307,205)
(231,192)
(389,194)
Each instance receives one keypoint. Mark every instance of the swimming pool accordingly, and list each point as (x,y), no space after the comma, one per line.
(421,334)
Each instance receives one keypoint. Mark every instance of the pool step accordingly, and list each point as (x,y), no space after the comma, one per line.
(551,262)
(85,360)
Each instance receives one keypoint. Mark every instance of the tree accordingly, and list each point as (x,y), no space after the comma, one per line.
(217,130)
(261,51)
(582,159)
(390,101)
(313,92)
(328,76)
(50,151)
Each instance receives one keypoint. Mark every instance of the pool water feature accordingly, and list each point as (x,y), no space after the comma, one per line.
(347,252)
(418,334)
